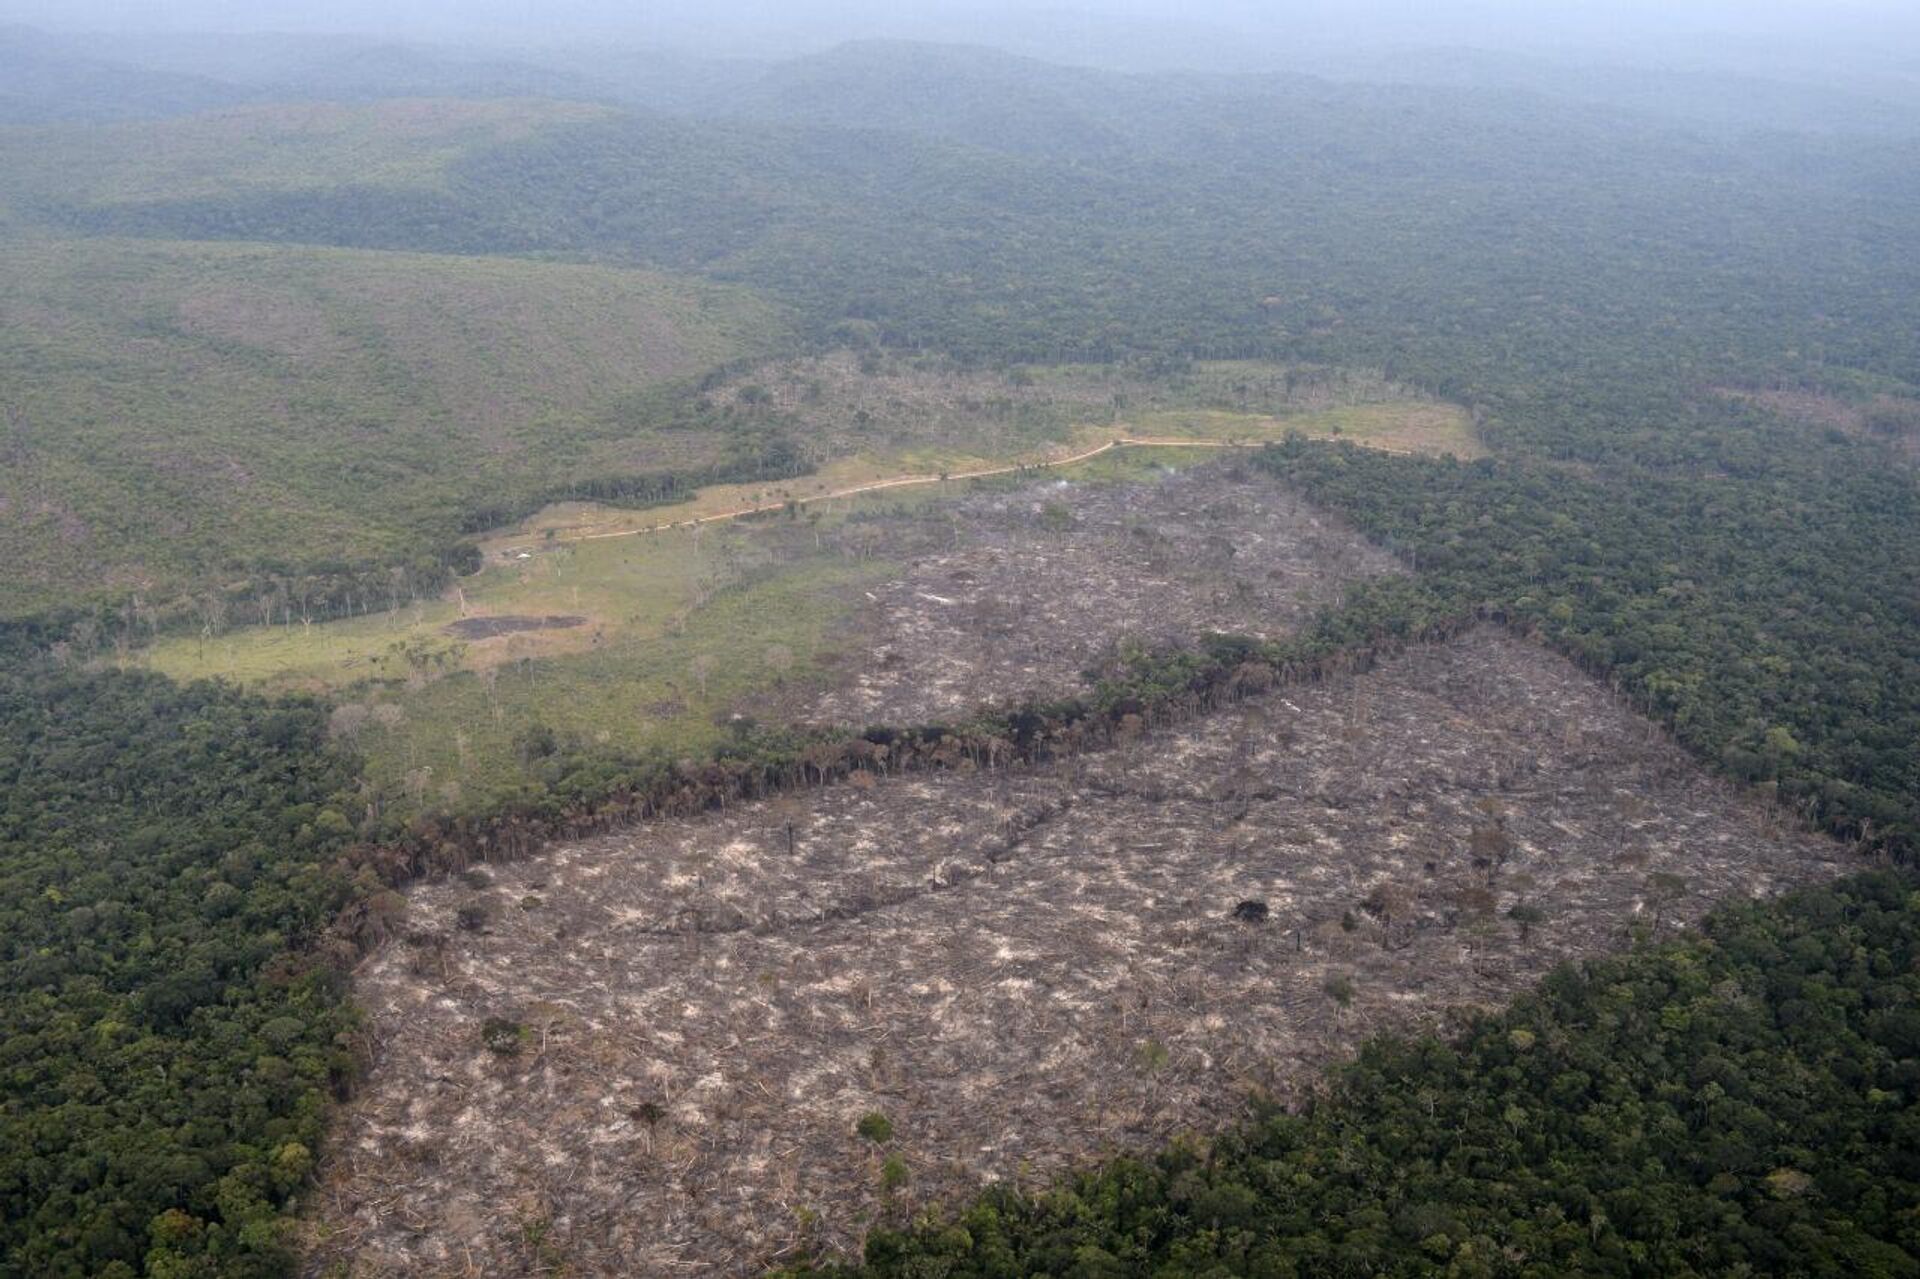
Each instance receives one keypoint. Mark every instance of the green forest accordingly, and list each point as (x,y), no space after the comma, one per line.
(188,872)
(173,1032)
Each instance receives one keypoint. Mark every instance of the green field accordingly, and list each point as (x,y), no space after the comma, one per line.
(667,689)
(1395,426)
(430,708)
(177,413)
(675,631)
(672,630)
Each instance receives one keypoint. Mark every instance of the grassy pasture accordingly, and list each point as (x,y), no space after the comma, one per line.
(672,630)
(1408,425)
(662,685)
(1397,426)
(674,627)
(175,411)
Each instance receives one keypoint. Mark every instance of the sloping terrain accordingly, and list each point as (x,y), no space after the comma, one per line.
(268,148)
(866,401)
(1018,593)
(650,1053)
(901,605)
(41,80)
(174,411)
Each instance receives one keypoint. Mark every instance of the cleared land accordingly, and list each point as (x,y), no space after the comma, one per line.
(1894,420)
(1019,970)
(867,419)
(817,617)
(174,412)
(1020,592)
(772,617)
(929,412)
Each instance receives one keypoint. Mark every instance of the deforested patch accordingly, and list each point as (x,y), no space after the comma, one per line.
(1014,594)
(711,1045)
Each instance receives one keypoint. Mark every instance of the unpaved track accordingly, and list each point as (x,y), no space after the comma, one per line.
(912,481)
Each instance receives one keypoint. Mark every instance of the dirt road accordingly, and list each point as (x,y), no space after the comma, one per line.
(912,481)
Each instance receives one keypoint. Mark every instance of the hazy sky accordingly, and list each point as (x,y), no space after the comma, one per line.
(1678,27)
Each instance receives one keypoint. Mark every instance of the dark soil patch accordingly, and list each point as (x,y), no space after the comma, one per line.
(479,628)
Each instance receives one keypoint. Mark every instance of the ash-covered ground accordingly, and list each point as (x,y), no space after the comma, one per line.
(1020,970)
(1011,593)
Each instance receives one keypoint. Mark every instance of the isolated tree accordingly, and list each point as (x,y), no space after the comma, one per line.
(1526,916)
(648,1113)
(787,811)
(211,609)
(503,1035)
(1490,843)
(417,781)
(1390,904)
(1664,889)
(347,720)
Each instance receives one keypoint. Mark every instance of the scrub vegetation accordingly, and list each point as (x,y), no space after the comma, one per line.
(251,425)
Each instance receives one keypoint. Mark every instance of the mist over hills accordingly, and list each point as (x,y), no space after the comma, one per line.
(45,78)
(1847,68)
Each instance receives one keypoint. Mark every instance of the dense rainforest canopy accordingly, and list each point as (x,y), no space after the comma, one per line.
(165,1063)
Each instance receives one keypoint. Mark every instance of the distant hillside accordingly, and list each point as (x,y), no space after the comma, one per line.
(977,96)
(1013,210)
(49,77)
(44,80)
(1879,105)
(177,412)
(241,152)
(376,71)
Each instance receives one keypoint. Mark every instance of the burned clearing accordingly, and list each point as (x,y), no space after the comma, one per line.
(1010,593)
(787,1021)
